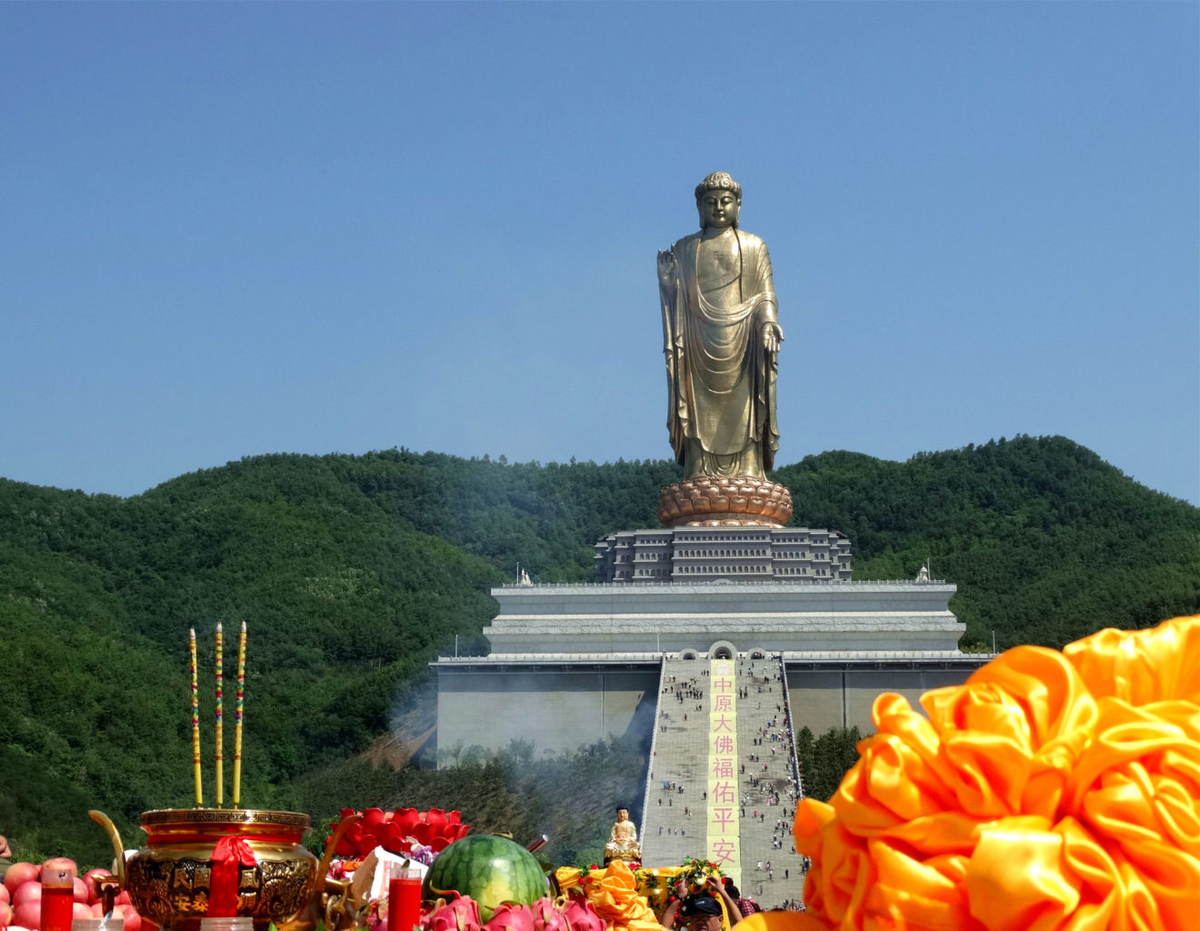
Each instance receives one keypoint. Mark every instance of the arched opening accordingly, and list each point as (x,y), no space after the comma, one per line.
(723,649)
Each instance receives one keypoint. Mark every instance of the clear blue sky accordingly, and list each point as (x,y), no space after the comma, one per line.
(230,229)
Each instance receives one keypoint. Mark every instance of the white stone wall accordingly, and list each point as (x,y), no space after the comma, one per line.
(571,664)
(825,698)
(778,616)
(560,709)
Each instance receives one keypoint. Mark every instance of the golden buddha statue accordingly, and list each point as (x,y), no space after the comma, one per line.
(622,839)
(721,336)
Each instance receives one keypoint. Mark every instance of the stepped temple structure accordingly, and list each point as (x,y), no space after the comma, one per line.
(718,635)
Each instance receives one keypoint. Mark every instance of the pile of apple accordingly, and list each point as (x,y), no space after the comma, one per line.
(21,896)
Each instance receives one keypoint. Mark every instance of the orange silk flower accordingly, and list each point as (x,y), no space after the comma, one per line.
(1050,791)
(613,893)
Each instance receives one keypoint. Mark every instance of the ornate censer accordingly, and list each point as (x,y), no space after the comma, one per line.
(205,862)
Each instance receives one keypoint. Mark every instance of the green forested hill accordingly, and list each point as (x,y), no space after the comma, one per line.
(353,571)
(1046,542)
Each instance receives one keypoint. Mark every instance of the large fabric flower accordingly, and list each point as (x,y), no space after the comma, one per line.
(614,895)
(1050,791)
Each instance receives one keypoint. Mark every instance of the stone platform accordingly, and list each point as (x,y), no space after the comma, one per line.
(775,617)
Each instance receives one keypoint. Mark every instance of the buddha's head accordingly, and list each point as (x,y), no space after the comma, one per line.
(718,200)
(622,813)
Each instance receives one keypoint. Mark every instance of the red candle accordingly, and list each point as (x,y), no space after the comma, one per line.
(404,900)
(58,897)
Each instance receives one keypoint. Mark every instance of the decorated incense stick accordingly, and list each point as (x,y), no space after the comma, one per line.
(220,774)
(237,726)
(195,719)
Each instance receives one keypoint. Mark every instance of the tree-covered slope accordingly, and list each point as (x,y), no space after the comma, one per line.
(1046,542)
(352,572)
(344,604)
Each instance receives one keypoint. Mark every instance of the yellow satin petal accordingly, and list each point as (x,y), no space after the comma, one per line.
(1016,879)
(909,893)
(947,832)
(567,877)
(898,775)
(811,817)
(613,892)
(1049,688)
(840,887)
(1142,666)
(781,921)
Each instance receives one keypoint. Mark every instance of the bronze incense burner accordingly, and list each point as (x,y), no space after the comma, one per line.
(171,879)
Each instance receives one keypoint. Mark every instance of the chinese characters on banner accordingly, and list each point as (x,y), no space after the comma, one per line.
(724,848)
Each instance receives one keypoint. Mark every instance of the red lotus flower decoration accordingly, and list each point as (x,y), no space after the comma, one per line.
(397,831)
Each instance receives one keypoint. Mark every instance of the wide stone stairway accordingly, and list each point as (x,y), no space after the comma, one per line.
(723,763)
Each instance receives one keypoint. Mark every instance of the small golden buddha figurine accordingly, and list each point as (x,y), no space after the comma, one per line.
(622,839)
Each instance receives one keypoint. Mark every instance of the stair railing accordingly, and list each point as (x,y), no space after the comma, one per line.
(662,682)
(791,728)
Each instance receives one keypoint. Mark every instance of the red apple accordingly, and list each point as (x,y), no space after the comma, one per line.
(28,915)
(5,914)
(28,892)
(80,910)
(81,890)
(133,921)
(123,899)
(97,910)
(20,873)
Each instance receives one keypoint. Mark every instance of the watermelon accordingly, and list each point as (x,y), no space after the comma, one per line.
(491,870)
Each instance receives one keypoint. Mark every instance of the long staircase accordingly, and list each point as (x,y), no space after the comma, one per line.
(695,716)
(673,826)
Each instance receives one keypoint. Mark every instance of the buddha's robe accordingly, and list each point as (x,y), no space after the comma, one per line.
(622,842)
(721,380)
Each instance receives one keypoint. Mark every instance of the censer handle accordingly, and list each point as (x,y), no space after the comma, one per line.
(323,870)
(115,839)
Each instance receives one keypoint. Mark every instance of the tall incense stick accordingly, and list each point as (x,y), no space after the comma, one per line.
(195,719)
(237,727)
(220,725)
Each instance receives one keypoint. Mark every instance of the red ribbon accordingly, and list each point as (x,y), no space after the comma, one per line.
(229,855)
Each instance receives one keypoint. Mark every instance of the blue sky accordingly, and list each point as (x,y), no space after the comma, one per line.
(231,229)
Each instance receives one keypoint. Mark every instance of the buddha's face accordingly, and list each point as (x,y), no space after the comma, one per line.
(622,815)
(718,209)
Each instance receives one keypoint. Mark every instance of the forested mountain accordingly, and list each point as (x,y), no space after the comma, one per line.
(352,572)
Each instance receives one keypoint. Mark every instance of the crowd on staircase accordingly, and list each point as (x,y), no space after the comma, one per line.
(675,820)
